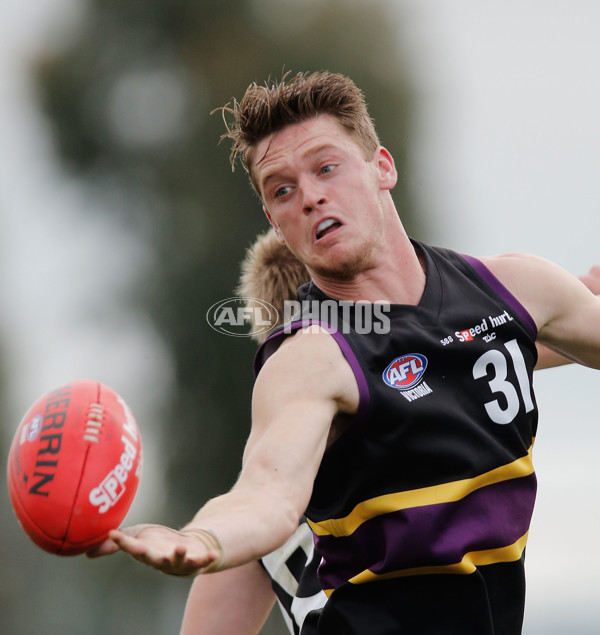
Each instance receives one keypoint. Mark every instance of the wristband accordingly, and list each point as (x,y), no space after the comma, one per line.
(209,539)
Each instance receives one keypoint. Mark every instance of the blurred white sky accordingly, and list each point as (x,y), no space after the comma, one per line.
(507,149)
(63,272)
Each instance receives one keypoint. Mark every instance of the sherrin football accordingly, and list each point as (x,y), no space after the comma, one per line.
(74,466)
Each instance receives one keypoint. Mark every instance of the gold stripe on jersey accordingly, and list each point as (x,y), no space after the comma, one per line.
(421,497)
(467,565)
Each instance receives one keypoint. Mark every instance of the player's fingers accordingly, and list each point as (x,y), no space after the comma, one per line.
(110,545)
(191,567)
(165,557)
(103,549)
(179,564)
(176,564)
(129,544)
(154,550)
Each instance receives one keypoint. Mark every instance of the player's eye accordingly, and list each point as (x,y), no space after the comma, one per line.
(282,191)
(327,169)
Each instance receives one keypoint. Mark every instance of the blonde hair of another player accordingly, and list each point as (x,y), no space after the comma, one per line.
(270,272)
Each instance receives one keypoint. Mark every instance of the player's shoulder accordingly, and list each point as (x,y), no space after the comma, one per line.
(516,268)
(541,286)
(314,340)
(300,349)
(309,351)
(514,259)
(311,358)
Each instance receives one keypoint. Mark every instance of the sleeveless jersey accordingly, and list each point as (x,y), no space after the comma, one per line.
(293,572)
(421,508)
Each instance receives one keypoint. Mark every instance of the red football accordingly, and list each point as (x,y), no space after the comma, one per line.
(74,466)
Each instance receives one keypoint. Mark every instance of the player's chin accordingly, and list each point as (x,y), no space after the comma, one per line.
(343,270)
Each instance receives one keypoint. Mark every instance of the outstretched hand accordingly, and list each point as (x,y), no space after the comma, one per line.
(174,552)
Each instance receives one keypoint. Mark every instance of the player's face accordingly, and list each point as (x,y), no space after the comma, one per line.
(323,196)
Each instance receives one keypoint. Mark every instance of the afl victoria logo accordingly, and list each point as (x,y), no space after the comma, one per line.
(406,371)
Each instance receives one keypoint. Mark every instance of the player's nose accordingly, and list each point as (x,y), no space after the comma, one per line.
(313,194)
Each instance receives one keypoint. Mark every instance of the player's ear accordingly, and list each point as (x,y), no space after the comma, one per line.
(275,226)
(384,163)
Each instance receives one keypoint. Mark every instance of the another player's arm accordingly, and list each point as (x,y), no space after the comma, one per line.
(566,312)
(232,602)
(297,394)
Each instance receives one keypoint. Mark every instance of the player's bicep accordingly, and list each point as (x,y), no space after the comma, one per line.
(567,313)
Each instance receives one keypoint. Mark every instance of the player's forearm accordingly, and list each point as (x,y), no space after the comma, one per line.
(247,526)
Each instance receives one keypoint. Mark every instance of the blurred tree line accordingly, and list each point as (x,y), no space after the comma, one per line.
(128,100)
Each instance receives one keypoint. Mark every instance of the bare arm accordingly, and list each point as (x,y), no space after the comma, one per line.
(566,313)
(231,602)
(591,279)
(289,435)
(548,358)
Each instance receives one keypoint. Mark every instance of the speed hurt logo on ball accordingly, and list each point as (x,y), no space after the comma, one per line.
(114,484)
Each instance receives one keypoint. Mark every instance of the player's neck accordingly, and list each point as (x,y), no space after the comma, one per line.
(398,280)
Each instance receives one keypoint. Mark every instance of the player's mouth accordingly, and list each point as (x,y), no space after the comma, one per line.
(326,227)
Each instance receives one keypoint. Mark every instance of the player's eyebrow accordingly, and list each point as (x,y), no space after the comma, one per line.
(273,173)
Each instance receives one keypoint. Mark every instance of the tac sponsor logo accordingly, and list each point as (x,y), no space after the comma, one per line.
(406,371)
(235,316)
